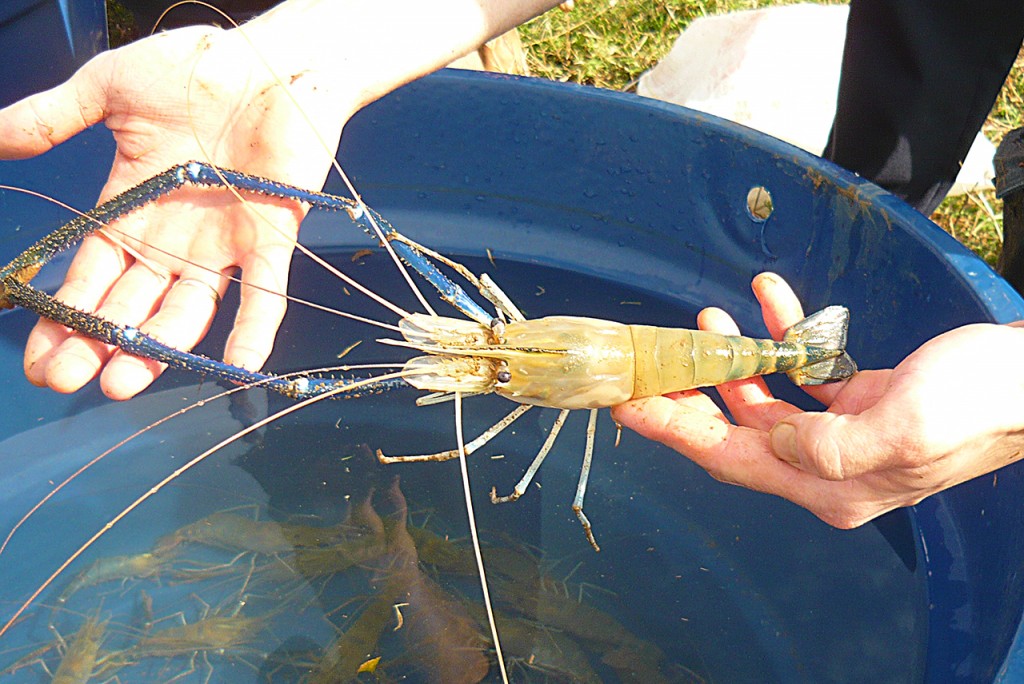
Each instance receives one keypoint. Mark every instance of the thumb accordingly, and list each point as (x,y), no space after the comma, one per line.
(42,121)
(831,446)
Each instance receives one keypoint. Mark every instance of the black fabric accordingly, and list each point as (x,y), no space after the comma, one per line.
(919,77)
(1009,164)
(1011,259)
(146,12)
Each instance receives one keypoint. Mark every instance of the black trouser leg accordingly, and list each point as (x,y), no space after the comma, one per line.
(919,78)
(1010,186)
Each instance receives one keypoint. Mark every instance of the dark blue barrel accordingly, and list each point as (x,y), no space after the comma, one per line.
(655,196)
(650,197)
(42,42)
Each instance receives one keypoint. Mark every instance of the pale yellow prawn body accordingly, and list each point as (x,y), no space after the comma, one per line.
(570,362)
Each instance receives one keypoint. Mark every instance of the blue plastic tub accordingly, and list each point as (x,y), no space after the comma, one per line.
(589,203)
(42,42)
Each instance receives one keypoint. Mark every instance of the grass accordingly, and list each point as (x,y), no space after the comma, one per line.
(610,43)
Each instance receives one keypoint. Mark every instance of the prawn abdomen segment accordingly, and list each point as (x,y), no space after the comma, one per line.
(676,359)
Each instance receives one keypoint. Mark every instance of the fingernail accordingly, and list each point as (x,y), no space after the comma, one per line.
(783,442)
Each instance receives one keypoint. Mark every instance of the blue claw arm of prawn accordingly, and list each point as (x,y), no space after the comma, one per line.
(361,215)
(15,290)
(135,342)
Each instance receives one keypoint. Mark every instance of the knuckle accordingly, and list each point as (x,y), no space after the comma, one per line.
(826,458)
(119,312)
(74,292)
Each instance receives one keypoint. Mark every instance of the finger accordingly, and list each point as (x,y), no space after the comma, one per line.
(185,315)
(97,265)
(54,357)
(713,319)
(42,121)
(261,308)
(633,414)
(92,273)
(42,344)
(130,302)
(729,453)
(781,310)
(699,401)
(741,395)
(835,446)
(780,306)
(741,456)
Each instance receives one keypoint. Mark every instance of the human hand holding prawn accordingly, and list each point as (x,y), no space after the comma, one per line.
(947,413)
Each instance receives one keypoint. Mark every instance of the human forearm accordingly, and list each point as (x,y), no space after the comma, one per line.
(378,45)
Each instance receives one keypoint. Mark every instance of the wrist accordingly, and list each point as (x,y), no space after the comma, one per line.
(370,47)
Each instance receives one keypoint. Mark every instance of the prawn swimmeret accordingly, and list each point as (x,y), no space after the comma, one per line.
(561,362)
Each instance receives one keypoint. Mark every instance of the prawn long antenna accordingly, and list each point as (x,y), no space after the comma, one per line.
(464,468)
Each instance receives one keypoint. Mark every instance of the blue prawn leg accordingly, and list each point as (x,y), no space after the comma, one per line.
(198,173)
(15,290)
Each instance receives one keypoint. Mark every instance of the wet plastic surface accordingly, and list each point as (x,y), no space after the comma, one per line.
(42,42)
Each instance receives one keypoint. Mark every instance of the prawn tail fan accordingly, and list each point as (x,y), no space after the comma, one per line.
(824,330)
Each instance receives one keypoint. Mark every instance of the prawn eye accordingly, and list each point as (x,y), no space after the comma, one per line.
(503,377)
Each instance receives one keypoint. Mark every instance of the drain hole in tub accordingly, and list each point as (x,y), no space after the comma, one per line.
(759,204)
